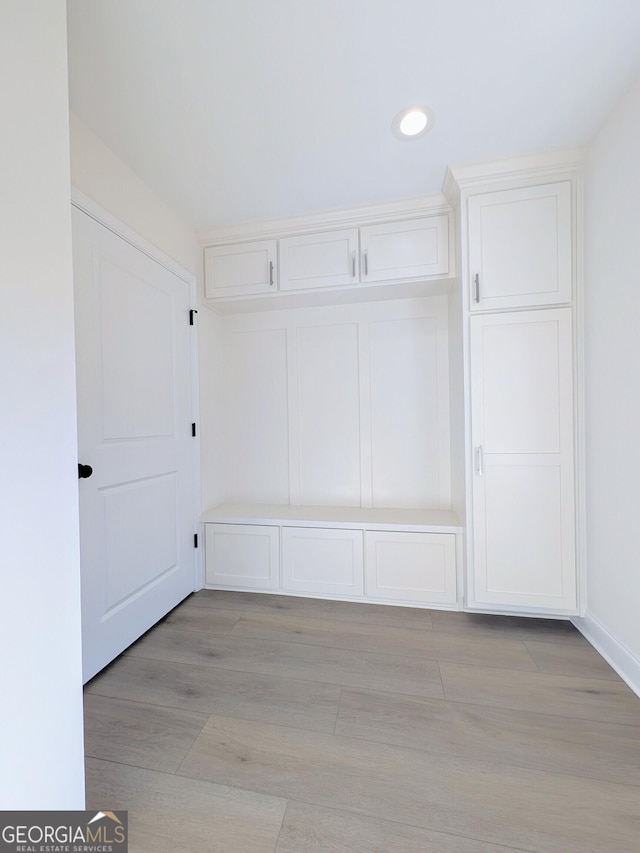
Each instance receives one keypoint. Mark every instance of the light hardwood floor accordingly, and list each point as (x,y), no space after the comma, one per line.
(248,723)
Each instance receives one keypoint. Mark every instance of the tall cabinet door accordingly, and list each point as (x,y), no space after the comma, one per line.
(523,477)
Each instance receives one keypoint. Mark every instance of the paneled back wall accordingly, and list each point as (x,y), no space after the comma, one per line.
(343,405)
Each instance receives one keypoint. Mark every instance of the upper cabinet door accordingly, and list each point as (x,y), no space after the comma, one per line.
(242,269)
(415,248)
(520,247)
(328,259)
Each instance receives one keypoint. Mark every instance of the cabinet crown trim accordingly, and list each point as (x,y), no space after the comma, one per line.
(532,169)
(403,209)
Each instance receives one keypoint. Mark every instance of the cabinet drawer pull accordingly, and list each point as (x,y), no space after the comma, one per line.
(366,262)
(271,273)
(480,461)
(353,264)
(476,287)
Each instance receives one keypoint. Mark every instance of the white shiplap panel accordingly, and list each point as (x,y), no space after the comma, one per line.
(328,414)
(408,405)
(257,449)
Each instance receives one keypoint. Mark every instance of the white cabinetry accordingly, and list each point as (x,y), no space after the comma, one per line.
(411,567)
(523,479)
(242,556)
(404,250)
(520,247)
(414,248)
(241,269)
(329,259)
(380,395)
(411,556)
(520,230)
(322,560)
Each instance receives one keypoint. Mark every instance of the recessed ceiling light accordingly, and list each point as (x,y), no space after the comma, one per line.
(412,123)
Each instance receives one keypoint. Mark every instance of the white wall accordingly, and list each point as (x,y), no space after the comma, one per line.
(612,343)
(100,174)
(212,458)
(41,758)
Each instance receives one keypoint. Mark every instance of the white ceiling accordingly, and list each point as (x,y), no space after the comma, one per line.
(237,110)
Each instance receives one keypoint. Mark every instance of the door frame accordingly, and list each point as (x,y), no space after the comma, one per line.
(82,202)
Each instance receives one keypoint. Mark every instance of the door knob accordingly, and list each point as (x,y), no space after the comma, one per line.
(84,471)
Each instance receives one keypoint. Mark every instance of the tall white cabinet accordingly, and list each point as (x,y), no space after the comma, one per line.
(519,279)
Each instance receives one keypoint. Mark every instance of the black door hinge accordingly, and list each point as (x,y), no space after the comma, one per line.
(192,312)
(195,540)
(193,430)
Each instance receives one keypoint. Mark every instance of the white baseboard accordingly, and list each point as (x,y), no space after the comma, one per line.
(625,663)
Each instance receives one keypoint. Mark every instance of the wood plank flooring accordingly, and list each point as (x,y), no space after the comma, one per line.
(248,723)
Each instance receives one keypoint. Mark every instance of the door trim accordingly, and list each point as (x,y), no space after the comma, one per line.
(92,209)
(82,202)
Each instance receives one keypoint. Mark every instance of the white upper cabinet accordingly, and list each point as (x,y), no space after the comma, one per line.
(241,269)
(415,248)
(329,259)
(520,247)
(400,252)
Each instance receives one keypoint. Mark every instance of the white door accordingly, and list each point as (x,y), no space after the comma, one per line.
(523,480)
(137,509)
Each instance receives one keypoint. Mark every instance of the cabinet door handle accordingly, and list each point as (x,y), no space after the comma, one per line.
(353,264)
(270,273)
(476,287)
(366,262)
(480,461)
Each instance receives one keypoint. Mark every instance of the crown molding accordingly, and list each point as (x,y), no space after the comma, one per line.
(451,189)
(537,166)
(465,177)
(424,205)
